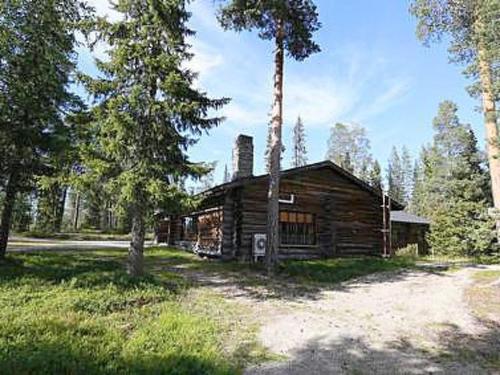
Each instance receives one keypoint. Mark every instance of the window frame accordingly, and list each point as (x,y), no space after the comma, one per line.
(314,226)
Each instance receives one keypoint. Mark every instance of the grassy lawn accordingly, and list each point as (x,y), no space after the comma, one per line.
(336,270)
(79,313)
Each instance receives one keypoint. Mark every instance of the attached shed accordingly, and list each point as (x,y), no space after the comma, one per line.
(408,229)
(325,211)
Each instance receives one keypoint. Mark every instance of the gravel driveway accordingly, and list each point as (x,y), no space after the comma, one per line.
(391,323)
(24,244)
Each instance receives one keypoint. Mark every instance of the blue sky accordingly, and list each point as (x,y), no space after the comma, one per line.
(372,71)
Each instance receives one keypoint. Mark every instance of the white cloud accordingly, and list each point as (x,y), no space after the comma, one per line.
(205,59)
(317,101)
(243,117)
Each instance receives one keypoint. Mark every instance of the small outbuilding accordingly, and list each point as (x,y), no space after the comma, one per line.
(408,229)
(325,211)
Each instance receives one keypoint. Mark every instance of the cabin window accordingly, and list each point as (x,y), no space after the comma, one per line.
(297,228)
(189,227)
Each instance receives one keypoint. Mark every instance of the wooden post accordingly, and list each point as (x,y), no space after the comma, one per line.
(386,226)
(389,225)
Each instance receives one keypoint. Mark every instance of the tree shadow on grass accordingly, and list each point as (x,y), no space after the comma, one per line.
(66,355)
(455,352)
(82,269)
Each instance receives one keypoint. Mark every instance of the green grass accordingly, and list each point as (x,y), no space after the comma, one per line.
(336,270)
(79,313)
(461,260)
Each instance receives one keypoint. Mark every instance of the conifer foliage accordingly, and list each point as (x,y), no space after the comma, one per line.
(471,28)
(148,112)
(452,189)
(37,62)
(299,157)
(400,177)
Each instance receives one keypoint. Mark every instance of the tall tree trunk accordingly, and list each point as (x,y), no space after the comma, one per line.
(492,136)
(135,265)
(76,211)
(60,209)
(274,172)
(8,206)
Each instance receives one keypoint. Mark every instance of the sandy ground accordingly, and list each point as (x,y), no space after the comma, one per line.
(393,323)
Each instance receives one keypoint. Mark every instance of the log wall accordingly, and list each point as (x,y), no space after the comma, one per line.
(348,218)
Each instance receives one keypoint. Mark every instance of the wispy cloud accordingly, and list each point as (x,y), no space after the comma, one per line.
(384,100)
(205,59)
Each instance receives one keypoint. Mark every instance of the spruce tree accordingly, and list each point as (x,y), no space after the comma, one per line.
(396,177)
(37,63)
(471,28)
(299,157)
(290,24)
(417,202)
(407,174)
(455,188)
(375,176)
(148,112)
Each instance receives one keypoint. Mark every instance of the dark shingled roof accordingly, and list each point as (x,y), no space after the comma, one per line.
(406,217)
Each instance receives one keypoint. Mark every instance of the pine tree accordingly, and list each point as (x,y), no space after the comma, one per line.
(267,153)
(349,147)
(290,24)
(299,158)
(37,49)
(375,176)
(148,111)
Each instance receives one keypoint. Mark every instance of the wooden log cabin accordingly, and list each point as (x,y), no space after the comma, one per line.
(325,211)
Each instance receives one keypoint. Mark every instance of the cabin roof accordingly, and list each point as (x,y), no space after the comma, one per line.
(222,188)
(406,217)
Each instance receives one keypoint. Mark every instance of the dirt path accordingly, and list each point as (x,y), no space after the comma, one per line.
(391,323)
(27,244)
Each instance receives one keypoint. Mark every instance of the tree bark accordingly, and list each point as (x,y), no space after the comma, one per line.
(275,156)
(8,206)
(76,211)
(492,136)
(60,209)
(135,265)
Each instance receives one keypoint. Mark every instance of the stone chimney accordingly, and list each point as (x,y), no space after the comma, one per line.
(243,157)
